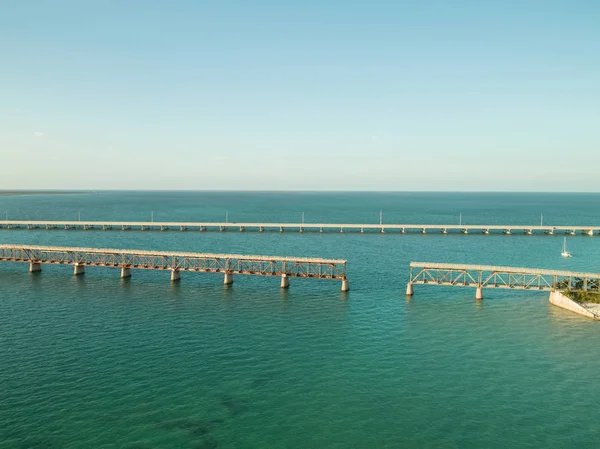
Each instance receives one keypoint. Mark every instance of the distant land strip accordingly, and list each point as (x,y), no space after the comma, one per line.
(41,192)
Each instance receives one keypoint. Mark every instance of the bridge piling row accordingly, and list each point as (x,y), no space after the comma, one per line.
(380,228)
(175,263)
(483,276)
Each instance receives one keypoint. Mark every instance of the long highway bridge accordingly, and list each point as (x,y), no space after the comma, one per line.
(176,262)
(488,276)
(300,227)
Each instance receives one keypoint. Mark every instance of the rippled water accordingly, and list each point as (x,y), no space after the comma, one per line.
(95,361)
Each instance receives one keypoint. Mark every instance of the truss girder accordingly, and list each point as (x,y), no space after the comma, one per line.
(196,262)
(503,277)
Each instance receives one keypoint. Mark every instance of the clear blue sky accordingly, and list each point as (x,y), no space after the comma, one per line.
(310,95)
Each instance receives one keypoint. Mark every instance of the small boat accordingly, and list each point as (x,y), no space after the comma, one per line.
(565,253)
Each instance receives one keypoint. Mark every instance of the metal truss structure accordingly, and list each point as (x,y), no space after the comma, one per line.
(484,276)
(228,264)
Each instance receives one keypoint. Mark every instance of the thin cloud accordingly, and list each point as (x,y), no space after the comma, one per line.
(38,134)
(222,158)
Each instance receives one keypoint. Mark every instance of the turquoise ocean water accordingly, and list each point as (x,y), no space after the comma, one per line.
(99,362)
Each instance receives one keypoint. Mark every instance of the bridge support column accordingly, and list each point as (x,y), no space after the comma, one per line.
(409,289)
(34,267)
(589,232)
(228,280)
(345,285)
(479,294)
(78,269)
(175,275)
(285,281)
(261,229)
(125,272)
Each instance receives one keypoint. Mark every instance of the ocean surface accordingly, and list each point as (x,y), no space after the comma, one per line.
(99,362)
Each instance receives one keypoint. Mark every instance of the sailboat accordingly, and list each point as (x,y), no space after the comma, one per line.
(565,253)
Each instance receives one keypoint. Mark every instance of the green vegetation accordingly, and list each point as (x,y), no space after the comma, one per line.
(583,297)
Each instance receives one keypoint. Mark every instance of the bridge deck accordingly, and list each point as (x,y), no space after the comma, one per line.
(489,276)
(163,225)
(228,264)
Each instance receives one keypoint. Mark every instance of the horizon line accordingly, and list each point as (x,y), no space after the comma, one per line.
(286,191)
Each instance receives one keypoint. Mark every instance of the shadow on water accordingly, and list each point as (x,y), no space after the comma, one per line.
(209,442)
(37,443)
(228,292)
(197,428)
(234,405)
(138,446)
(264,381)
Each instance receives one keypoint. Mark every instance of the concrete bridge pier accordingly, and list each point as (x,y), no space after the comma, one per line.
(280,228)
(423,231)
(479,294)
(409,289)
(78,269)
(301,229)
(285,281)
(444,231)
(125,272)
(34,267)
(382,230)
(486,231)
(362,230)
(175,275)
(261,229)
(321,229)
(228,280)
(345,285)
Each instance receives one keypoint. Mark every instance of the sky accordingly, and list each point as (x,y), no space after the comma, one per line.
(304,95)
